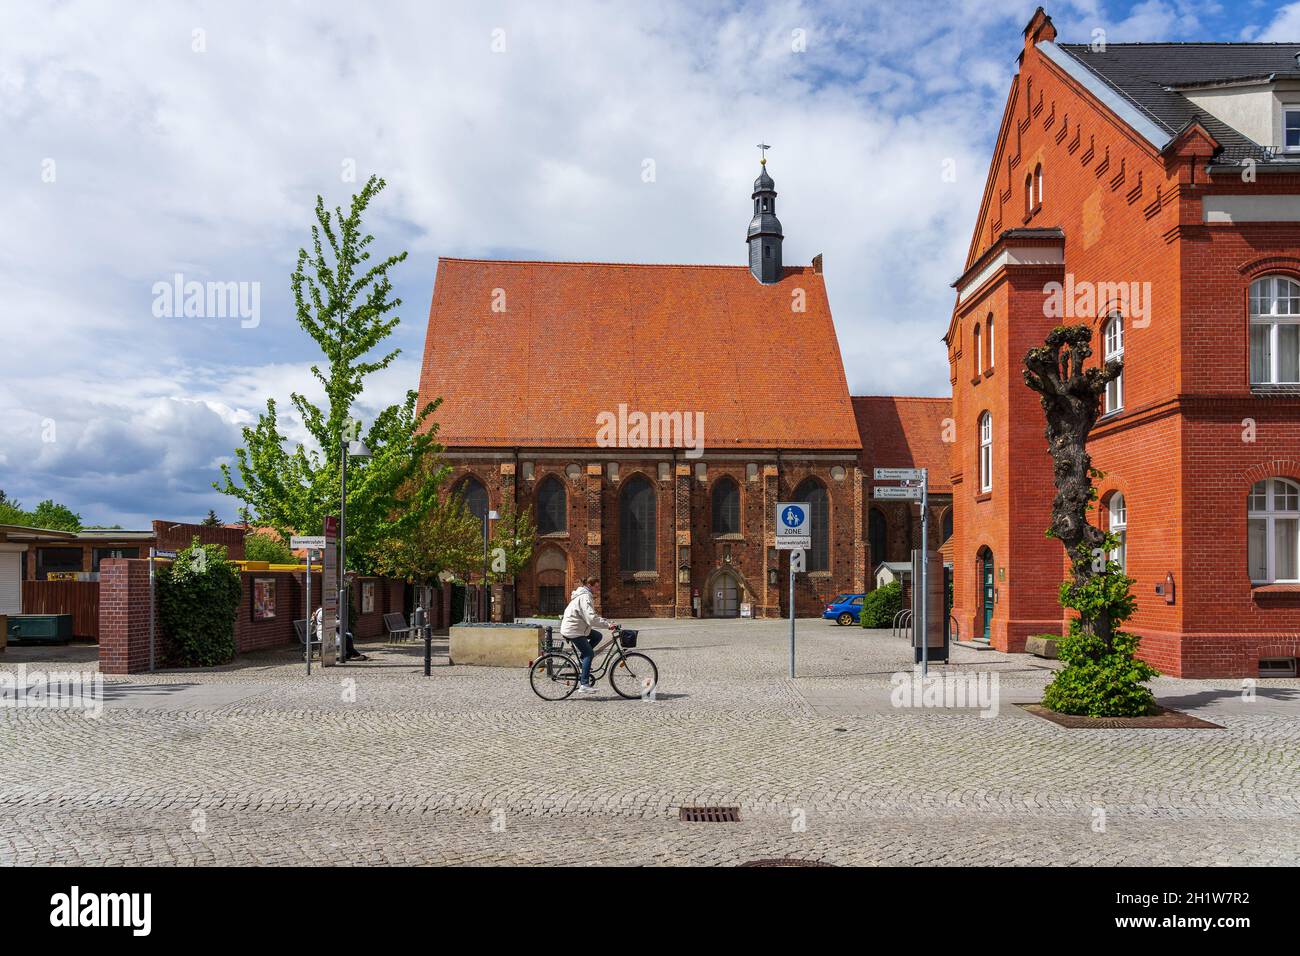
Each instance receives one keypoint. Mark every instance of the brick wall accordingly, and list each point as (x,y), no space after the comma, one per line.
(123,616)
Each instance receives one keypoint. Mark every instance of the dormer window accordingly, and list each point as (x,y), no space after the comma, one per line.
(1291,129)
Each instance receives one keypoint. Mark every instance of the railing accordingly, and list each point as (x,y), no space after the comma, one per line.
(902,623)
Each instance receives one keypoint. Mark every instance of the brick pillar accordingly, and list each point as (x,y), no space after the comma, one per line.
(859,545)
(594,519)
(123,616)
(771,595)
(682,606)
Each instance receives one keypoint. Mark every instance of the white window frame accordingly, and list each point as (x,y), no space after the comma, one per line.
(1117,524)
(979,349)
(1038,184)
(1113,348)
(986,452)
(1271,514)
(1287,110)
(988,333)
(1274,322)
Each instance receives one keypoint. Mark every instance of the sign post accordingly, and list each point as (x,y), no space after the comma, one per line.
(310,543)
(915,487)
(793,534)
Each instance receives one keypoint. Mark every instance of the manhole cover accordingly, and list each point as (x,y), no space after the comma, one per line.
(786,861)
(710,814)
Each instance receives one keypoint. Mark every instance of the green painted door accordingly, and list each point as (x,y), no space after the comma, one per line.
(987,572)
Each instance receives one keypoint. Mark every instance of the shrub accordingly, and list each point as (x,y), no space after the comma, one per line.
(264,547)
(880,606)
(198,596)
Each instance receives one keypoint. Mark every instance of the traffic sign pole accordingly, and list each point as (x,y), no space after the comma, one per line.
(792,621)
(925,561)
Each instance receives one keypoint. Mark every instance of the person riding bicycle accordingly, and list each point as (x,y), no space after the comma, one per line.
(577,625)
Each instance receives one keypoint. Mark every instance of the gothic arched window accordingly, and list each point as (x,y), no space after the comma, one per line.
(552,506)
(472,492)
(813,493)
(726,507)
(636,526)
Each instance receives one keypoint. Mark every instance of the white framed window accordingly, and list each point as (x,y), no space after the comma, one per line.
(1118,526)
(1273,531)
(979,349)
(1274,330)
(1291,130)
(1113,348)
(988,325)
(1038,183)
(986,452)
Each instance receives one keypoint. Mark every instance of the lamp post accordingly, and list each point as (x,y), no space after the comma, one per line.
(347,449)
(484,600)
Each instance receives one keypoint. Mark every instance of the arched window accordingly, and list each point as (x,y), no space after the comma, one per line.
(1273,531)
(877,538)
(552,506)
(726,507)
(946,525)
(1038,186)
(1029,195)
(636,526)
(986,452)
(978,342)
(988,326)
(1117,521)
(1274,331)
(813,493)
(472,492)
(1113,348)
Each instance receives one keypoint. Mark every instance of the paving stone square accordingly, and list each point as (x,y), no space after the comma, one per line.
(373,763)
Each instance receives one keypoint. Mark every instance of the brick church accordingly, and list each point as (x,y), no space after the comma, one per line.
(653,459)
(1152,191)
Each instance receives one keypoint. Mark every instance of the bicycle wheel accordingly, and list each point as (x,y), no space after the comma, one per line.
(553,676)
(633,675)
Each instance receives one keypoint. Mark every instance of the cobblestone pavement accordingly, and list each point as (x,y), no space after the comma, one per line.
(374,763)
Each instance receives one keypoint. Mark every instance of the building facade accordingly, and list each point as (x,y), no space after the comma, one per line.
(652,416)
(1151,191)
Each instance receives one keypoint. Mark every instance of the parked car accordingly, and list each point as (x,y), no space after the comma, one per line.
(845,609)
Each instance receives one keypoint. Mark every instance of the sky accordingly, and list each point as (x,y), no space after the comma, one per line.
(141,140)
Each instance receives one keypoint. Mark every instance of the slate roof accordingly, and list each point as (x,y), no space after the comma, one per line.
(1147,75)
(900,432)
(579,338)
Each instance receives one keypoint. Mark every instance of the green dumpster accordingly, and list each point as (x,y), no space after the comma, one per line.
(40,628)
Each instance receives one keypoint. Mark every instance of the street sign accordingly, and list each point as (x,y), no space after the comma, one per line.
(897,492)
(313,542)
(798,561)
(160,553)
(899,474)
(793,525)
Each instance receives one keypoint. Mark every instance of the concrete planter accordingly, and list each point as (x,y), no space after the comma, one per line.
(500,645)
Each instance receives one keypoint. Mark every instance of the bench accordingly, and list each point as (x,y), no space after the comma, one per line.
(398,630)
(300,629)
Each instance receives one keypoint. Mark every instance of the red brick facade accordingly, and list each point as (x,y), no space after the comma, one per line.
(1191,436)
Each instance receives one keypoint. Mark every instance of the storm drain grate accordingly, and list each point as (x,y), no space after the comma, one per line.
(710,814)
(786,861)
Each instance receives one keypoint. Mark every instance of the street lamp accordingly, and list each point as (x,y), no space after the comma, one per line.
(348,449)
(484,601)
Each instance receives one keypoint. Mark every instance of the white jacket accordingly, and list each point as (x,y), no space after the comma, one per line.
(580,616)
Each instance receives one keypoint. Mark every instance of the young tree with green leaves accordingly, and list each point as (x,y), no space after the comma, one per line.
(54,516)
(345,303)
(1102,676)
(511,545)
(449,539)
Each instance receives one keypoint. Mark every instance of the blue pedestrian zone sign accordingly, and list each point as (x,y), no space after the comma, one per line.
(793,525)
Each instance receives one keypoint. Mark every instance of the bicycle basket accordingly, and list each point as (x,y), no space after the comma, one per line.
(627,638)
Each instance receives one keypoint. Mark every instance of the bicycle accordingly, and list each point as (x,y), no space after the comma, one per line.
(554,675)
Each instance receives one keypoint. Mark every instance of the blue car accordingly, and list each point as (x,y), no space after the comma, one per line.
(845,609)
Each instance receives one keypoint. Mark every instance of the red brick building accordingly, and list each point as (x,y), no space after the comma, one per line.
(1153,192)
(653,415)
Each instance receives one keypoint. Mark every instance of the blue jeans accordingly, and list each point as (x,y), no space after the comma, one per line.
(586,651)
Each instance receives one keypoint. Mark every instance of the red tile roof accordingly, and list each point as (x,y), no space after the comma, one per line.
(579,338)
(905,433)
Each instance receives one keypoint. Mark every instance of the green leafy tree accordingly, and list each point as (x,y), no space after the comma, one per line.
(1102,676)
(265,547)
(511,545)
(56,517)
(198,595)
(344,303)
(11,512)
(448,539)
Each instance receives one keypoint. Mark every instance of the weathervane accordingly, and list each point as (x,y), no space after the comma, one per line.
(764,147)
